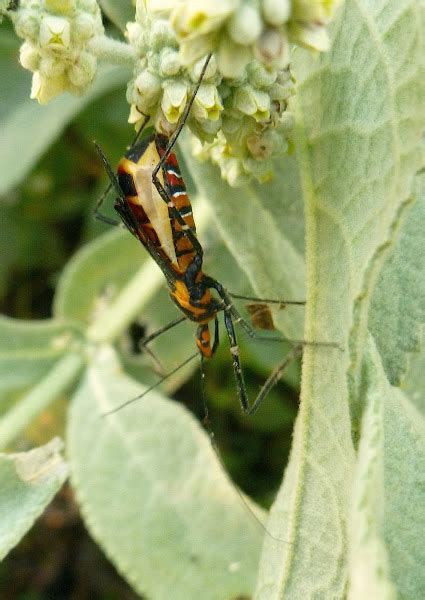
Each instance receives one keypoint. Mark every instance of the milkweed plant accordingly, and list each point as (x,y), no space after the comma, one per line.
(303,150)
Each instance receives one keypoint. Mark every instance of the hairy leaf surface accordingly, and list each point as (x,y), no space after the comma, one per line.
(154,495)
(28,482)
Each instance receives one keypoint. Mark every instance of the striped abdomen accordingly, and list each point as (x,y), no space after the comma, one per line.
(176,190)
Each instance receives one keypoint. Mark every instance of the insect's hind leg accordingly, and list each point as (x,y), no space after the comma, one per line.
(99,216)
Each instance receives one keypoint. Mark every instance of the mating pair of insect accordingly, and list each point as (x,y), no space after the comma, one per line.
(153,204)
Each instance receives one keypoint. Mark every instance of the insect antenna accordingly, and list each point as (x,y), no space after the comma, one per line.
(152,387)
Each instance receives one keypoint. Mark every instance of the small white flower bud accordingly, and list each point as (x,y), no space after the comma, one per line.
(276,12)
(82,72)
(51,66)
(207,103)
(134,34)
(245,25)
(194,18)
(55,33)
(27,25)
(83,27)
(169,63)
(174,100)
(148,87)
(232,58)
(252,102)
(261,76)
(29,56)
(196,70)
(135,115)
(272,47)
(161,35)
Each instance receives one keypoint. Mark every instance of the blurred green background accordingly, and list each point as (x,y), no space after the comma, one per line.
(44,220)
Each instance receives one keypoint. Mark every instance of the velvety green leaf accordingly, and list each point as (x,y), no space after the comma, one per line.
(172,522)
(358,123)
(118,11)
(404,476)
(28,482)
(32,128)
(414,382)
(398,304)
(369,575)
(28,349)
(387,550)
(95,275)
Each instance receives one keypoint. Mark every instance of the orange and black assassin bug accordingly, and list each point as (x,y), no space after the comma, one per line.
(162,220)
(153,204)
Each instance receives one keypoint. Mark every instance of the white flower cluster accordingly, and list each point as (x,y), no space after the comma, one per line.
(57,34)
(240,30)
(241,122)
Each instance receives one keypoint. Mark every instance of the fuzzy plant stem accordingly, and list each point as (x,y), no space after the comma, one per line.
(112,51)
(57,381)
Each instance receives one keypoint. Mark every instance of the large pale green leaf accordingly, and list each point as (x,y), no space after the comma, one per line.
(404,476)
(369,575)
(95,275)
(358,123)
(387,551)
(28,349)
(398,304)
(28,482)
(28,129)
(154,495)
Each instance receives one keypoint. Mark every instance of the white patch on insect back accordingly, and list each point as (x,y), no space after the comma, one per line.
(153,205)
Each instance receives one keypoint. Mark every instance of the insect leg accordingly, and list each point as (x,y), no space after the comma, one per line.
(161,330)
(274,378)
(281,303)
(237,368)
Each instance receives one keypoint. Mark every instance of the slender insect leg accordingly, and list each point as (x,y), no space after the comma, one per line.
(152,387)
(237,368)
(155,180)
(274,378)
(161,330)
(281,303)
(100,216)
(112,177)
